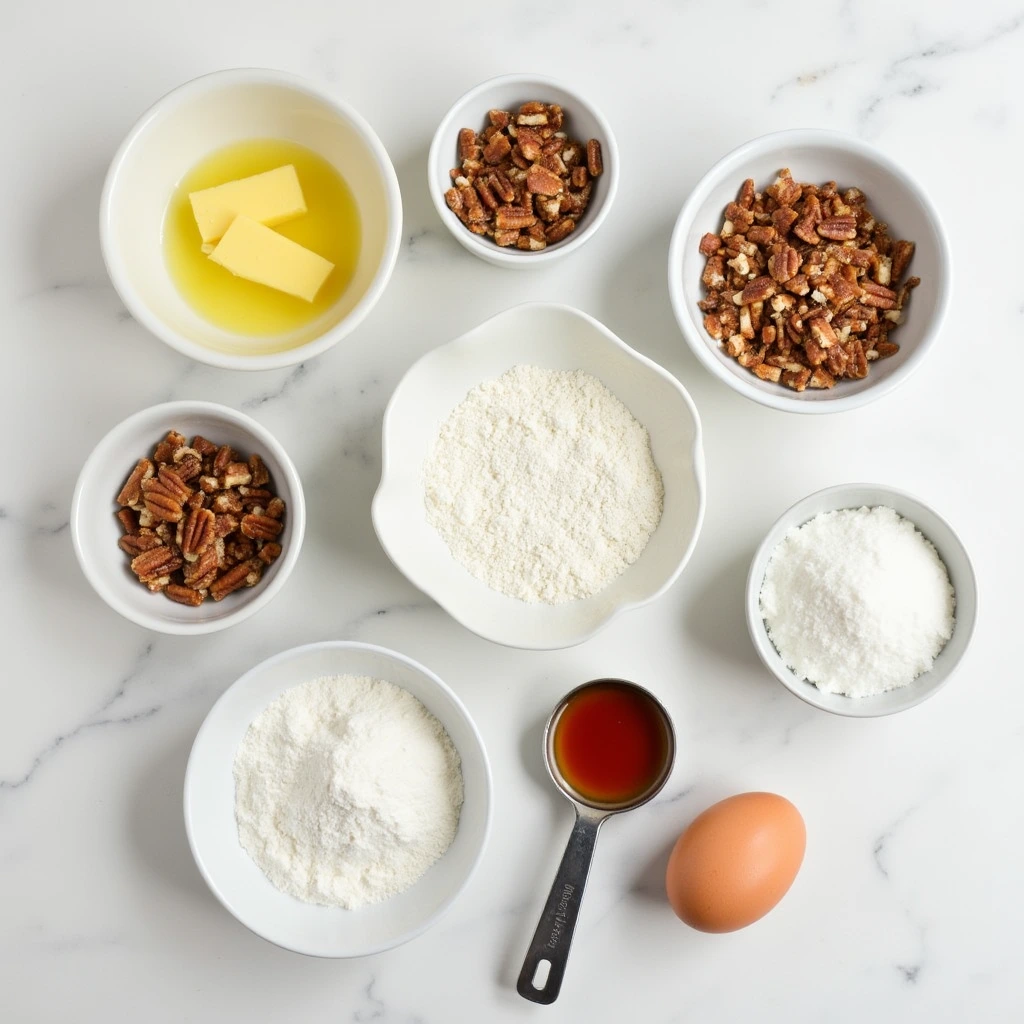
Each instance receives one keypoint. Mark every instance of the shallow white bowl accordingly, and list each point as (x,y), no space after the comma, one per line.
(561,338)
(583,121)
(234,877)
(193,121)
(893,196)
(95,531)
(951,551)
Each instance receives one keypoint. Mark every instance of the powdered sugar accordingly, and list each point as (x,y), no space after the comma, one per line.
(346,791)
(857,601)
(543,485)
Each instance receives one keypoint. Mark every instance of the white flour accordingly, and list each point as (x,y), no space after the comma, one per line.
(857,601)
(346,790)
(543,486)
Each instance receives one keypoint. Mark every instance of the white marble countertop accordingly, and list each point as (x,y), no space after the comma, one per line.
(910,901)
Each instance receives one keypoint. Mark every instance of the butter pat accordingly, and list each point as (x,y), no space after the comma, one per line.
(269,198)
(251,250)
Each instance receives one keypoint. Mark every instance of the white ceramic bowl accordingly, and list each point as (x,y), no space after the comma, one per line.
(951,551)
(234,877)
(893,196)
(95,531)
(172,137)
(583,121)
(561,338)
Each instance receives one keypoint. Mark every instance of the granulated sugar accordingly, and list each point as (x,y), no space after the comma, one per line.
(857,601)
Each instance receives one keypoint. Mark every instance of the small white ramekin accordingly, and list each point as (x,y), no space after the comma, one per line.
(893,196)
(583,121)
(172,137)
(95,531)
(952,552)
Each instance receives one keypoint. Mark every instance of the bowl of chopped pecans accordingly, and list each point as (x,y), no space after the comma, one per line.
(188,517)
(522,170)
(809,272)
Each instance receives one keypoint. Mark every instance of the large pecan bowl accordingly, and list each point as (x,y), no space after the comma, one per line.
(893,197)
(96,531)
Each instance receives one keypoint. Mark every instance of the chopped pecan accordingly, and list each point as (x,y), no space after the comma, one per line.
(544,182)
(156,562)
(185,595)
(164,451)
(261,527)
(245,574)
(131,493)
(198,533)
(129,520)
(172,484)
(221,459)
(784,264)
(226,501)
(595,163)
(513,218)
(902,253)
(269,552)
(758,290)
(160,502)
(710,244)
(561,230)
(235,474)
(203,571)
(497,149)
(135,543)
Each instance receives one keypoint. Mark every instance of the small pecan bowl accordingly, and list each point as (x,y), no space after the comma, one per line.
(96,531)
(893,197)
(582,122)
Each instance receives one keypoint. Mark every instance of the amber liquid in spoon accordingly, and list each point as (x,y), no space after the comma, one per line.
(610,743)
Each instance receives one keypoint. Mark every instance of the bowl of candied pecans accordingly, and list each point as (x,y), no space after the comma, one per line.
(188,517)
(522,170)
(809,272)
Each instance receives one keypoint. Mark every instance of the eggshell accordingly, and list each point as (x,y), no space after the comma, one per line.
(735,861)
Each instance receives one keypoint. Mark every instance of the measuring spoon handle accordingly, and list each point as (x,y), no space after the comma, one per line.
(553,937)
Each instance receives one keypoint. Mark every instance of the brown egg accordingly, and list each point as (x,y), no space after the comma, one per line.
(735,861)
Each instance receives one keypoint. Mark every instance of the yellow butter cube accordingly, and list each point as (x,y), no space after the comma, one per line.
(251,250)
(269,198)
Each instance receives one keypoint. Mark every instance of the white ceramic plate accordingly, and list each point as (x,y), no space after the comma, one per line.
(233,876)
(893,196)
(951,551)
(560,338)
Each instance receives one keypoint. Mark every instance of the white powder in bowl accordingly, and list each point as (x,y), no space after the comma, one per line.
(857,601)
(543,485)
(346,790)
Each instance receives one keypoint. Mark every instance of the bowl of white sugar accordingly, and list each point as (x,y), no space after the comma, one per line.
(540,477)
(338,799)
(861,600)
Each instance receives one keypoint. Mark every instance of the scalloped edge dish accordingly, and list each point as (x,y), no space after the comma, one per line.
(557,337)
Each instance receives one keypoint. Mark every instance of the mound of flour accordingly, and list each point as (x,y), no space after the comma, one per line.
(543,485)
(346,790)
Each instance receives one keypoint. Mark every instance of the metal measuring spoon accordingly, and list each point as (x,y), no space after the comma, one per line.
(541,977)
